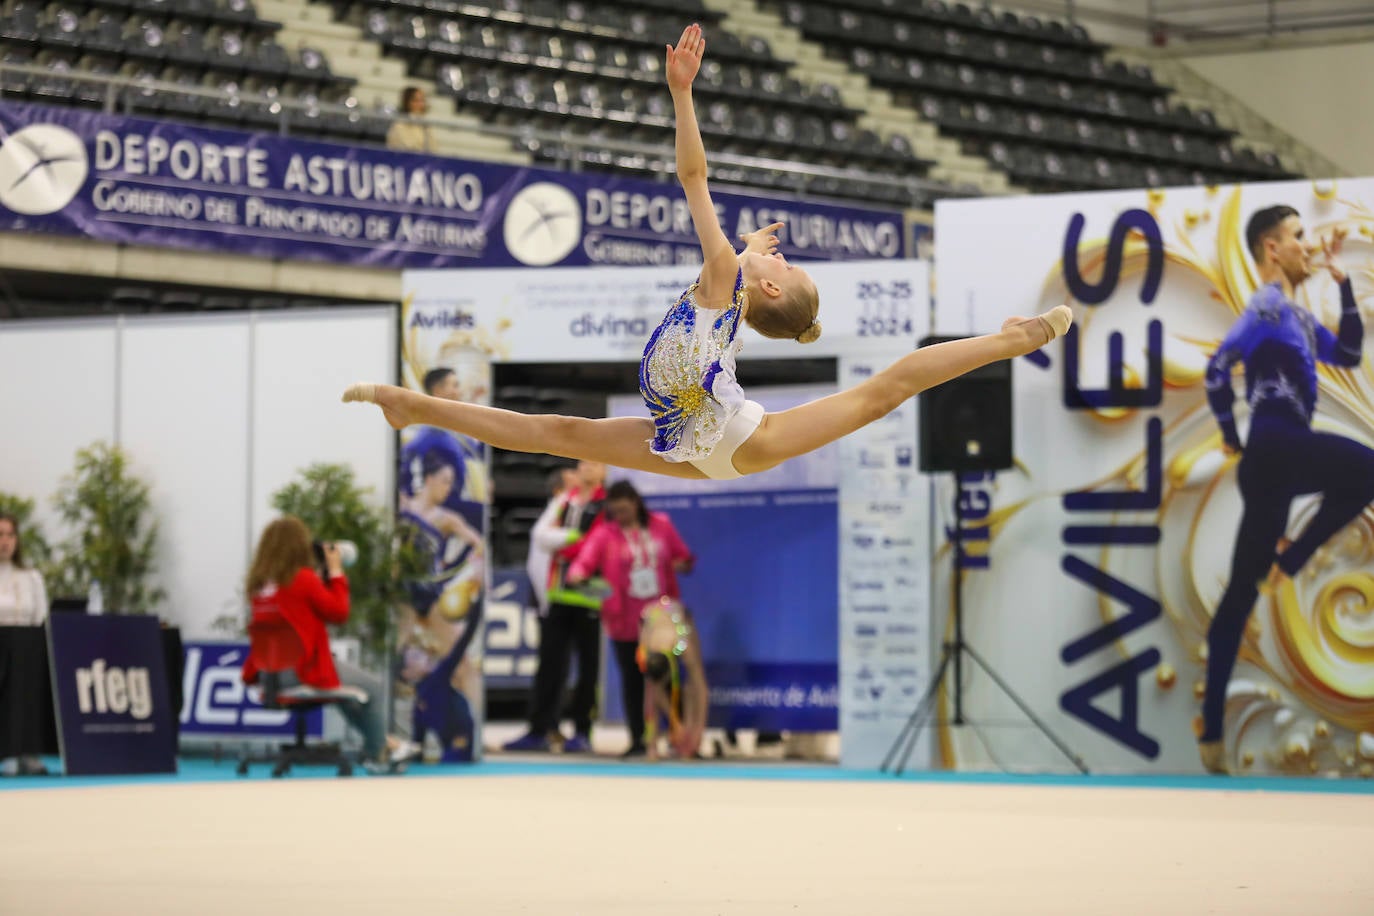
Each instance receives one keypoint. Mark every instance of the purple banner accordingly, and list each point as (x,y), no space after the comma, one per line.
(114,712)
(159,183)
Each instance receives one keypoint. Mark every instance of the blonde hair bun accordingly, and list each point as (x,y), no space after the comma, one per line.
(809,333)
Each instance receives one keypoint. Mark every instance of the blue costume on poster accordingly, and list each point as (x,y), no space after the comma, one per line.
(1283,458)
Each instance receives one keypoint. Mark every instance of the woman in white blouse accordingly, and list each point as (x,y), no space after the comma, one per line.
(23,597)
(23,603)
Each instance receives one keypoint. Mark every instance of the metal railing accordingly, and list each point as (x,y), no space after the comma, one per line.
(122,94)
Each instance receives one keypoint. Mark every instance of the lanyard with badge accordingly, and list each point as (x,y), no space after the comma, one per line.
(643,565)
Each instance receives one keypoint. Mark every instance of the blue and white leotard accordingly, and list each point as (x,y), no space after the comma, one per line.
(687,379)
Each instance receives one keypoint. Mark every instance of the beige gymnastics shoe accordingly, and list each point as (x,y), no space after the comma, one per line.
(386,397)
(1057,320)
(1041,329)
(362,391)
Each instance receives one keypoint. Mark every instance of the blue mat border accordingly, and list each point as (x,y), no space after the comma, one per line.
(198,770)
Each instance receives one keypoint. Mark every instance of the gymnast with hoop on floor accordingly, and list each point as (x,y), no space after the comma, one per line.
(702,425)
(675,687)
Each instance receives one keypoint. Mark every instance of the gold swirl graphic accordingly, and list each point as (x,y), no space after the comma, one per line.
(1325,628)
(1240,279)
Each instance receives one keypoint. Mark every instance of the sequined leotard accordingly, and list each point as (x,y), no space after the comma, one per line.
(687,376)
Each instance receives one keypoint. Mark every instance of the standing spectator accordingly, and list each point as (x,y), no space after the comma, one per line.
(406,133)
(573,621)
(639,555)
(23,603)
(442,383)
(467,455)
(23,596)
(545,538)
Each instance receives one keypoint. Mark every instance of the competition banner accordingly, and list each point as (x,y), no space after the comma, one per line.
(1094,569)
(884,555)
(577,315)
(148,182)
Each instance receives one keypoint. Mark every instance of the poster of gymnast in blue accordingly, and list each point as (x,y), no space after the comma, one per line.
(443,490)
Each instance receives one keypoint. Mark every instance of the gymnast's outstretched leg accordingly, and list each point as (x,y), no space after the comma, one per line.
(802,429)
(624,441)
(621,442)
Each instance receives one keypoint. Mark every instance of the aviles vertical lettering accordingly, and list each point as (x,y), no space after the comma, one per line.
(1095,514)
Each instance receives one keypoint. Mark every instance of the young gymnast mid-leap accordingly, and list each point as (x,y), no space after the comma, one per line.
(703,426)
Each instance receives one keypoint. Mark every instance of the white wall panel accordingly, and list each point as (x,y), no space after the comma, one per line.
(58,384)
(302,361)
(184,414)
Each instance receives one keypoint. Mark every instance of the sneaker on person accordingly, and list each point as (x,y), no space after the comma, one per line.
(578,744)
(404,752)
(636,750)
(530,742)
(383,767)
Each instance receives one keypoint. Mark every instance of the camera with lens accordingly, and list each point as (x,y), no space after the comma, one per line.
(348,553)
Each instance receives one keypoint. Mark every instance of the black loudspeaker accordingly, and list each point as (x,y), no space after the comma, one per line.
(966,422)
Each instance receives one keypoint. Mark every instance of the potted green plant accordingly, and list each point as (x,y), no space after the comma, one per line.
(113,538)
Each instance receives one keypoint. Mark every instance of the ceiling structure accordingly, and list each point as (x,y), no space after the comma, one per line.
(1171,22)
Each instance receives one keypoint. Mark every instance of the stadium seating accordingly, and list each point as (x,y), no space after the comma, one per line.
(1038,99)
(219,45)
(593,71)
(579,84)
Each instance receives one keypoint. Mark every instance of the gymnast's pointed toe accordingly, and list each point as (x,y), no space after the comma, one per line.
(1057,320)
(365,392)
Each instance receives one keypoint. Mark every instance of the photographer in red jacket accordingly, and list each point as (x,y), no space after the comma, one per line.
(282,583)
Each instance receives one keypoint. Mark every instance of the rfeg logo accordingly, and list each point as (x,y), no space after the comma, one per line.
(42,167)
(102,689)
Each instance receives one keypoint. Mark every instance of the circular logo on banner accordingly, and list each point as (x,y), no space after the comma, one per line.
(42,167)
(543,224)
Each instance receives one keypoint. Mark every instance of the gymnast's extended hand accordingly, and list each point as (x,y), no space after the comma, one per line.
(684,61)
(762,241)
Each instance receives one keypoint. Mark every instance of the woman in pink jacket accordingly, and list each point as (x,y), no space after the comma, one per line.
(639,555)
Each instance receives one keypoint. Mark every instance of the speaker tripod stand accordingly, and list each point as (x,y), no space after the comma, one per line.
(952,656)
